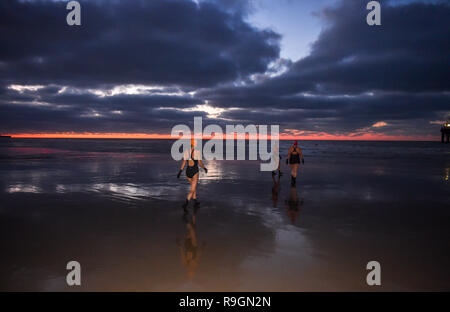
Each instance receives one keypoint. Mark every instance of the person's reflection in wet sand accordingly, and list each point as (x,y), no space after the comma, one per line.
(190,250)
(275,189)
(293,204)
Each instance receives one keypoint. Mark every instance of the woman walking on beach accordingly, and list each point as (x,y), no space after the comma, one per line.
(293,158)
(192,157)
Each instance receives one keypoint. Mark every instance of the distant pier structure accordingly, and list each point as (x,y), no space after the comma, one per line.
(445,132)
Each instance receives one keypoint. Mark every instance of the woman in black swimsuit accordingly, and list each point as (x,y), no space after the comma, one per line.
(192,158)
(293,158)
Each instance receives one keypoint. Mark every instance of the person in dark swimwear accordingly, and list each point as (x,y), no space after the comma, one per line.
(293,158)
(193,160)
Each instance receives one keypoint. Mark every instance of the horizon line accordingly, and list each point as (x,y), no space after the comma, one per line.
(282,137)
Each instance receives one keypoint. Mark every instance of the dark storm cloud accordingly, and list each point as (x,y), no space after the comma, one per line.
(27,119)
(405,64)
(153,42)
(408,52)
(51,95)
(347,114)
(175,44)
(47,110)
(355,76)
(122,102)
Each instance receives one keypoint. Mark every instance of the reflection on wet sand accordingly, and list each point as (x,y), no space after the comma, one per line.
(293,204)
(190,251)
(275,189)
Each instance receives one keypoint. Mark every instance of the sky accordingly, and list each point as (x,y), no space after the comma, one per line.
(137,68)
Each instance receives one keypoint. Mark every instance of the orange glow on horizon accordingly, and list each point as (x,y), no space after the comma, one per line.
(283,136)
(88,135)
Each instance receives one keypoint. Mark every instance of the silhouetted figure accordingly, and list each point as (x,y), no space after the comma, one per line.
(294,157)
(445,132)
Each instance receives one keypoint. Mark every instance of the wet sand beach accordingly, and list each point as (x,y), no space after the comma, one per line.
(115,206)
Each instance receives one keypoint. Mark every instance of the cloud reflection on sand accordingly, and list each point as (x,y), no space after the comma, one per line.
(23,188)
